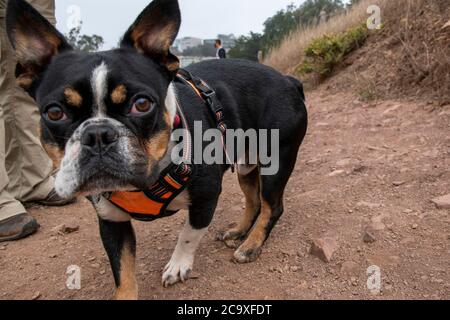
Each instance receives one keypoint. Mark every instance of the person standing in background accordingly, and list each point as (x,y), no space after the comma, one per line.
(221,52)
(25,168)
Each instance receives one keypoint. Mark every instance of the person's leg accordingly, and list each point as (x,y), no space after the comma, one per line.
(15,223)
(9,206)
(28,166)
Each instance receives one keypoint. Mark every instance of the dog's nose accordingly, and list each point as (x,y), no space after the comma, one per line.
(99,138)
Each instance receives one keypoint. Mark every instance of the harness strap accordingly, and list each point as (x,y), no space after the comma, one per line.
(209,96)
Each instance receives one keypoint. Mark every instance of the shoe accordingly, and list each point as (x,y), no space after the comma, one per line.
(18,227)
(54,200)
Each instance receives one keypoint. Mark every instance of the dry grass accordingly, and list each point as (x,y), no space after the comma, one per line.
(289,55)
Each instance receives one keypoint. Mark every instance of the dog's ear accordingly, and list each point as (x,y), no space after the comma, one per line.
(34,40)
(154,31)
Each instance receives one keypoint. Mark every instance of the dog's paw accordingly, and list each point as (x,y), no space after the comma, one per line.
(232,238)
(247,255)
(178,269)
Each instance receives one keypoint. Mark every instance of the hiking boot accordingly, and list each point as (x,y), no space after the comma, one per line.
(18,227)
(54,200)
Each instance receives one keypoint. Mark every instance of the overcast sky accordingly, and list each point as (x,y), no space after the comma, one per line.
(201,18)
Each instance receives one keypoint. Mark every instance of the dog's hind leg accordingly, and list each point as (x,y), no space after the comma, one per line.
(271,194)
(120,244)
(250,186)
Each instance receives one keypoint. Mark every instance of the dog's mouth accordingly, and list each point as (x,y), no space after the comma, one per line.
(100,183)
(96,176)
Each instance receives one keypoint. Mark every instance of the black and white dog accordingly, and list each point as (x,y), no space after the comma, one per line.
(107,119)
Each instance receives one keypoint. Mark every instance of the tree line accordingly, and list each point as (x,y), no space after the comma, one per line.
(284,22)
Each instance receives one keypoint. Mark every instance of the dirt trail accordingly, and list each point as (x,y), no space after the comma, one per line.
(362,164)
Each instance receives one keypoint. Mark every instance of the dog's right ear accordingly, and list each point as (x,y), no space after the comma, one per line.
(154,31)
(34,40)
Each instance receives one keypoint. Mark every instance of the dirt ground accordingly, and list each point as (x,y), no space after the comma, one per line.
(363,164)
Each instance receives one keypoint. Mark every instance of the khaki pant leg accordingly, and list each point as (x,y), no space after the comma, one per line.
(27,164)
(46,8)
(9,206)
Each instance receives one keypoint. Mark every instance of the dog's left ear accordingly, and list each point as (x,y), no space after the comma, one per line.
(34,40)
(154,31)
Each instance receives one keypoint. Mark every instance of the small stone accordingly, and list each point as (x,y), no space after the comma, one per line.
(102,272)
(398,183)
(294,268)
(36,296)
(415,226)
(324,248)
(95,265)
(3,248)
(442,202)
(336,173)
(369,236)
(65,229)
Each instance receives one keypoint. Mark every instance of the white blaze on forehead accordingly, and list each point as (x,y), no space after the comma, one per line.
(100,87)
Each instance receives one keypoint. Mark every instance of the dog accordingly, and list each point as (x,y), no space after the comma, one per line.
(108,117)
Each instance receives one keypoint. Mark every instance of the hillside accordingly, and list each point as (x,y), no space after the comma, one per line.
(409,57)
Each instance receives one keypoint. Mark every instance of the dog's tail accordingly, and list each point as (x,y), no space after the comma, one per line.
(299,86)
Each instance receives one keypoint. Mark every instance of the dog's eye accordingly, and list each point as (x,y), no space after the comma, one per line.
(142,105)
(56,114)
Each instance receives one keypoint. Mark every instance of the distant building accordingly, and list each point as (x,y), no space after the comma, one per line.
(228,40)
(187,42)
(209,42)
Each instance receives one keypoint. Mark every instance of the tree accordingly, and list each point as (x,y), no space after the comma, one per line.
(247,47)
(309,12)
(84,42)
(279,26)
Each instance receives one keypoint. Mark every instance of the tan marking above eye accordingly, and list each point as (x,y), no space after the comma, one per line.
(119,94)
(73,98)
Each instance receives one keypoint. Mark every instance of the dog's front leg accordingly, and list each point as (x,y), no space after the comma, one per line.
(120,244)
(182,261)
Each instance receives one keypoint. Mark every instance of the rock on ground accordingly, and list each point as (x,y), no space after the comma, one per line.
(324,248)
(442,202)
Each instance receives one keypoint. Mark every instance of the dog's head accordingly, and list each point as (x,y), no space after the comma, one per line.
(107,116)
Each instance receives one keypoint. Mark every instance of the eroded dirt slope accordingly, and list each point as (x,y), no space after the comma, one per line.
(363,164)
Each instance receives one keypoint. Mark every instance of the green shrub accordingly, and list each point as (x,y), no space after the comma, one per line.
(323,54)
